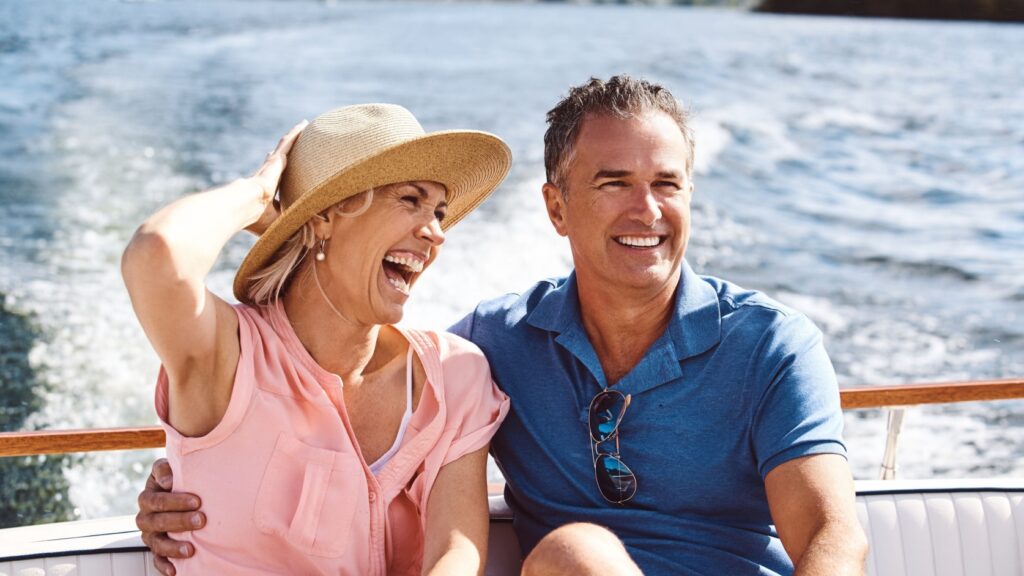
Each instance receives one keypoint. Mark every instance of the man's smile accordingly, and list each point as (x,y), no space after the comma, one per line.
(640,241)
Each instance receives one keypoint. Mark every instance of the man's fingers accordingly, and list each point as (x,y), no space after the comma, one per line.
(150,501)
(170,521)
(167,547)
(162,474)
(163,565)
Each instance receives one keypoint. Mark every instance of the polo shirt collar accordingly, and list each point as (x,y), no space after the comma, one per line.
(697,323)
(693,329)
(559,309)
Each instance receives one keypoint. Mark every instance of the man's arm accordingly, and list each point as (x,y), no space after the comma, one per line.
(812,501)
(457,518)
(161,511)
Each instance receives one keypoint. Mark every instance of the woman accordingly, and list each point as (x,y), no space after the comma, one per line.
(323,439)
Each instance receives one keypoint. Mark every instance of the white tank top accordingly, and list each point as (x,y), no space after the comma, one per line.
(377,466)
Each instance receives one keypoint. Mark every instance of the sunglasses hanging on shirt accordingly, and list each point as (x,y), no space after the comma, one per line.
(615,480)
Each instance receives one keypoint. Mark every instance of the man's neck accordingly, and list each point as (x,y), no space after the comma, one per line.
(622,323)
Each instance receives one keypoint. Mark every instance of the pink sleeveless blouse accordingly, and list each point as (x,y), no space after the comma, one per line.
(284,486)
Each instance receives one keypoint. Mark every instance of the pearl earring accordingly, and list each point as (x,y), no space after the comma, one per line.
(320,256)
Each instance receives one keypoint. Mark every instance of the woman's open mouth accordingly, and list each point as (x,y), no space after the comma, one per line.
(400,270)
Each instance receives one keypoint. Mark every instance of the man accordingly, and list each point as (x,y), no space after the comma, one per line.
(661,421)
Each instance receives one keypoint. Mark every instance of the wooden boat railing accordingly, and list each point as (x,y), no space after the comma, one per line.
(896,398)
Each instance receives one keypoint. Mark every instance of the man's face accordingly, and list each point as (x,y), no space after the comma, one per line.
(627,212)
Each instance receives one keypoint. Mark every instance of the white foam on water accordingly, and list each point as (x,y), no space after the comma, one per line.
(844,119)
(937,441)
(763,134)
(93,356)
(823,312)
(711,140)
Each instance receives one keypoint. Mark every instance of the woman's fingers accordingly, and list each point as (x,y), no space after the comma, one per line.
(270,213)
(277,159)
(269,174)
(284,146)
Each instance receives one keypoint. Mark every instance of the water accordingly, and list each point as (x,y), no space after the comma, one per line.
(868,172)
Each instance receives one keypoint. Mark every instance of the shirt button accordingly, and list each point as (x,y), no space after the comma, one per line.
(373,496)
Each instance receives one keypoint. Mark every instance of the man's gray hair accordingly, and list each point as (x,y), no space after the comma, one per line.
(621,96)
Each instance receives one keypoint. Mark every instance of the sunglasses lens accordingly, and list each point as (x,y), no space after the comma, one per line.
(615,480)
(605,411)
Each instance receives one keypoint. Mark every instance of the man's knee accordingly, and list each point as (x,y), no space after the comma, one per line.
(580,548)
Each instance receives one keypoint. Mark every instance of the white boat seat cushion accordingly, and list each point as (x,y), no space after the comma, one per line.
(916,530)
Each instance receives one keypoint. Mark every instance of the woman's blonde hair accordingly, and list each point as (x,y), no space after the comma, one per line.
(268,283)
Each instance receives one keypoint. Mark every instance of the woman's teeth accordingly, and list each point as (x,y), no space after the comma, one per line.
(639,241)
(399,283)
(411,264)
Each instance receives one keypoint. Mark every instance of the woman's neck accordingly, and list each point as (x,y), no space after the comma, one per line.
(337,343)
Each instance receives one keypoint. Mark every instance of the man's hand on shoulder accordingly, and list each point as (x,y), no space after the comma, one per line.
(162,511)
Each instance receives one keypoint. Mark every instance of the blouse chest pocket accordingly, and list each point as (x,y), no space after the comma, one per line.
(310,497)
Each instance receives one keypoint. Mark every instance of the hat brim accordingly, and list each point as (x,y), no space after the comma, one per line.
(470,164)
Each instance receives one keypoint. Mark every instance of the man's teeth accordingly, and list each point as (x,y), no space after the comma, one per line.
(412,264)
(399,283)
(640,241)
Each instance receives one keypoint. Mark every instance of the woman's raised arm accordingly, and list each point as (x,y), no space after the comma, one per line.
(194,332)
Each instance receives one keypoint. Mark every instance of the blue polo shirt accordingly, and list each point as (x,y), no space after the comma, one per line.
(736,385)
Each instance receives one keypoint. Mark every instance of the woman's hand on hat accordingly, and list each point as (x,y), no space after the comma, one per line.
(268,177)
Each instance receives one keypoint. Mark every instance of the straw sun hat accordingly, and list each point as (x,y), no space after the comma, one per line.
(352,149)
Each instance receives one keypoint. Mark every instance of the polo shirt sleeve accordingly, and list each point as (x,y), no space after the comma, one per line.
(464,328)
(475,406)
(799,412)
